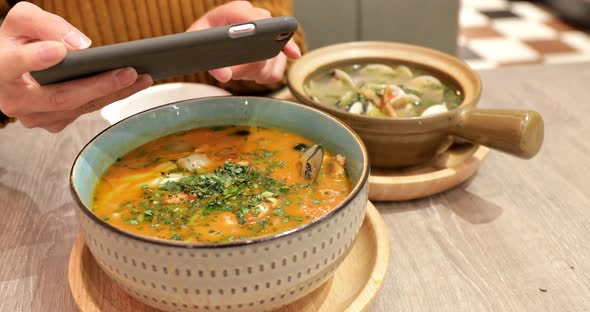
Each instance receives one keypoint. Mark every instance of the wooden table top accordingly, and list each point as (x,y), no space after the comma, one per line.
(513,238)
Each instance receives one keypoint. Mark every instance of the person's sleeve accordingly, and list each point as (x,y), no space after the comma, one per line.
(4,7)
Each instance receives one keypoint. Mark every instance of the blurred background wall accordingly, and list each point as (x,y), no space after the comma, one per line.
(431,23)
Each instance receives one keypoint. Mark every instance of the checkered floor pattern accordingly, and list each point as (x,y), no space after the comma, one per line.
(500,33)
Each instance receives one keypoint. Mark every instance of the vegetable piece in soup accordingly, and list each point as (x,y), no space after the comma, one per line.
(218,184)
(380,90)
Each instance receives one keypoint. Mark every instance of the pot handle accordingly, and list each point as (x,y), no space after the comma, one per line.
(516,132)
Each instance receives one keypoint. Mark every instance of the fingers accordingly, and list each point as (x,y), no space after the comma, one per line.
(262,72)
(70,95)
(221,74)
(273,71)
(26,21)
(30,57)
(230,13)
(141,83)
(19,99)
(237,12)
(262,13)
(248,71)
(278,69)
(57,121)
(292,50)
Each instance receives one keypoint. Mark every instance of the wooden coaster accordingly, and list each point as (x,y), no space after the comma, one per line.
(353,287)
(448,170)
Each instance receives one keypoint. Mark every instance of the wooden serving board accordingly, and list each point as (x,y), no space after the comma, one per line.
(353,287)
(448,170)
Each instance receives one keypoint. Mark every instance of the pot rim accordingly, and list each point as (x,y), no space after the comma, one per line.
(358,187)
(331,56)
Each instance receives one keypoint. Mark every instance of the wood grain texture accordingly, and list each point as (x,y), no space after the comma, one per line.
(353,287)
(490,244)
(38,225)
(519,227)
(446,171)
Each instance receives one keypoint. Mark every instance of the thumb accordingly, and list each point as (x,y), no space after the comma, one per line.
(221,74)
(30,57)
(26,20)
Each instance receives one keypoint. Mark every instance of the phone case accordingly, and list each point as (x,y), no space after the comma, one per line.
(179,54)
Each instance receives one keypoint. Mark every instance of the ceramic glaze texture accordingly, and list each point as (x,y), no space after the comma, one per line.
(258,276)
(398,142)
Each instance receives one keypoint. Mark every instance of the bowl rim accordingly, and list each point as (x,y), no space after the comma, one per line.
(363,180)
(370,44)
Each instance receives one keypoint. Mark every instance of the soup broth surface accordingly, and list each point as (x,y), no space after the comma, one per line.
(381,90)
(218,184)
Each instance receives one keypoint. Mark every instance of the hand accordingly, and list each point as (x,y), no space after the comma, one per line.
(268,71)
(32,39)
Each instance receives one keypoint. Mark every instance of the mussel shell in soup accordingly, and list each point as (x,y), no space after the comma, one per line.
(219,184)
(380,90)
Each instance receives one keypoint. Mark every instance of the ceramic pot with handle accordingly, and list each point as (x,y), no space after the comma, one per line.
(397,142)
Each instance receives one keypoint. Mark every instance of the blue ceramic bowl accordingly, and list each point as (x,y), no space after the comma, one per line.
(256,275)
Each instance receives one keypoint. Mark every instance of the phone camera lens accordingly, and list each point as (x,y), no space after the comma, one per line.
(283,36)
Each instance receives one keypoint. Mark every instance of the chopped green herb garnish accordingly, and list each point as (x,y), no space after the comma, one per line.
(249,195)
(231,187)
(267,194)
(132,221)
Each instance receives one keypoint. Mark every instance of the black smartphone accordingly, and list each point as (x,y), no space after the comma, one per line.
(179,54)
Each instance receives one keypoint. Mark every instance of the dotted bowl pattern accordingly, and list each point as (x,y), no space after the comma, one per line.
(256,277)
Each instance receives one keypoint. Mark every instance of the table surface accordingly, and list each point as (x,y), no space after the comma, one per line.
(513,238)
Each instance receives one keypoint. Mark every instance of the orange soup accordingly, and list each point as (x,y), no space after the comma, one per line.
(218,184)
